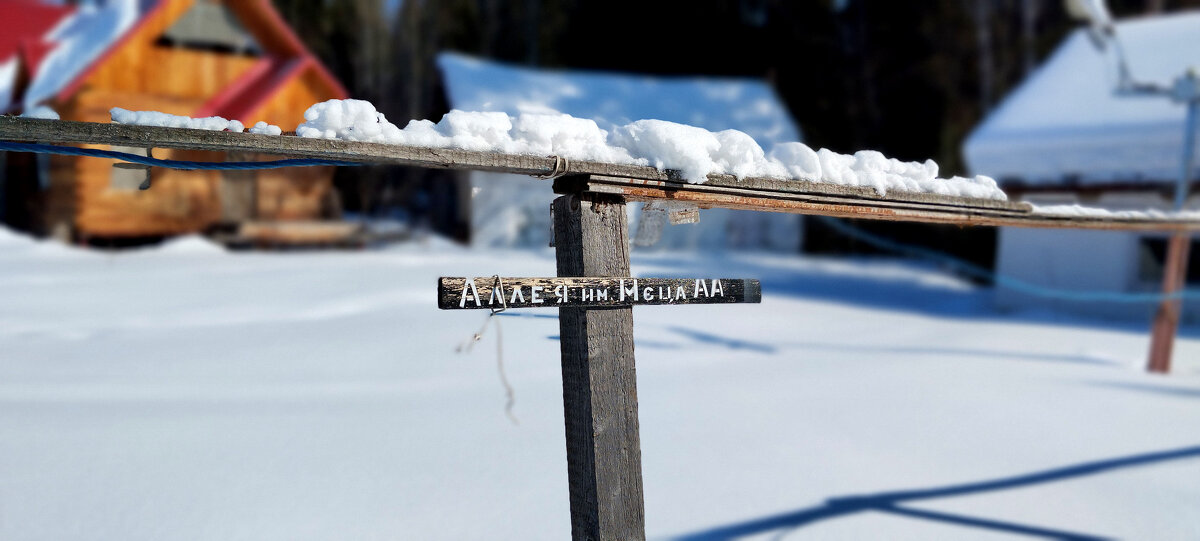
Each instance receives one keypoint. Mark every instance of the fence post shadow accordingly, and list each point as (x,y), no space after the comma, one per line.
(890,502)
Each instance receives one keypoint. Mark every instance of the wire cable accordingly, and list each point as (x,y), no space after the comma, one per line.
(1008,282)
(169,164)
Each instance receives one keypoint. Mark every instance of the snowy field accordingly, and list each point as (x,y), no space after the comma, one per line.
(188,393)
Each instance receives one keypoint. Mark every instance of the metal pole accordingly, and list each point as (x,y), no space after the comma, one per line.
(1166,321)
(1189,151)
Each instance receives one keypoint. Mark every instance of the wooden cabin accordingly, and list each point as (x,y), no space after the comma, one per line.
(232,58)
(505,210)
(1065,137)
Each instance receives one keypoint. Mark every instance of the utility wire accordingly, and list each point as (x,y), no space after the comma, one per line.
(169,164)
(1007,282)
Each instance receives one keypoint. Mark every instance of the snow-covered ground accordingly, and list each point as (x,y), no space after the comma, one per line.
(188,393)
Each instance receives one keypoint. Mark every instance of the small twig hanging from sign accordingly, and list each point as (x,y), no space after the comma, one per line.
(469,344)
(509,394)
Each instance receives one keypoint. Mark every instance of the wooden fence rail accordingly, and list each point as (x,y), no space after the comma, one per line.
(635,183)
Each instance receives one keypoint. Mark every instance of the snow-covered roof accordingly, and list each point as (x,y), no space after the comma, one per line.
(715,104)
(1065,122)
(56,43)
(80,40)
(68,41)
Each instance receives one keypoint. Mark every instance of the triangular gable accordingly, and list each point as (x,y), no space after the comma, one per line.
(284,56)
(286,60)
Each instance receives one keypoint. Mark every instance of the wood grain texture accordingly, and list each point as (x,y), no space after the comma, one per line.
(635,183)
(488,292)
(604,457)
(237,192)
(895,211)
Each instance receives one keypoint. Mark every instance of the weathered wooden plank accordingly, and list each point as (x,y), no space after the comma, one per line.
(12,128)
(801,186)
(628,187)
(50,131)
(633,182)
(62,131)
(604,457)
(497,293)
(811,192)
(803,204)
(238,192)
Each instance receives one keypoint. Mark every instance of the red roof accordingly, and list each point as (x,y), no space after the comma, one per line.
(26,24)
(286,56)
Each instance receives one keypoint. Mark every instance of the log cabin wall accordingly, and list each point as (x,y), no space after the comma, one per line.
(143,73)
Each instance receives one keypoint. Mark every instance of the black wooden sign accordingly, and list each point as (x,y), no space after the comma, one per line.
(498,293)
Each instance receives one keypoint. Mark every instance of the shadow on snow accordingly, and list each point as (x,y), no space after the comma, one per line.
(892,502)
(889,284)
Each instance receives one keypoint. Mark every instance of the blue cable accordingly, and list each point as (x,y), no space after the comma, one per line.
(169,164)
(1001,280)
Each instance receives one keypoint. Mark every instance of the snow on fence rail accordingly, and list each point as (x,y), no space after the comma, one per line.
(634,182)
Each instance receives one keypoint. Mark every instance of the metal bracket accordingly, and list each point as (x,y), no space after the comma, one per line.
(499,284)
(561,167)
(145,185)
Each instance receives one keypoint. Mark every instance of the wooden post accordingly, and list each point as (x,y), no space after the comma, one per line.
(1162,339)
(238,192)
(604,453)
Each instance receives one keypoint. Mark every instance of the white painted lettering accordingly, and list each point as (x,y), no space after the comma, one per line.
(533,295)
(560,292)
(632,292)
(497,295)
(679,294)
(470,284)
(700,287)
(646,295)
(585,295)
(517,295)
(716,289)
(602,294)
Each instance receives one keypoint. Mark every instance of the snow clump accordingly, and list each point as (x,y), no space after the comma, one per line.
(155,118)
(41,112)
(694,152)
(531,133)
(263,128)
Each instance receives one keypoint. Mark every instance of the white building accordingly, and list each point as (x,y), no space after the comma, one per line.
(1063,137)
(510,210)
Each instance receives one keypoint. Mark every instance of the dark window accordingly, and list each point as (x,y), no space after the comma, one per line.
(210,26)
(1152,256)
